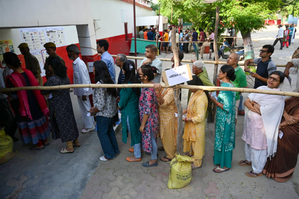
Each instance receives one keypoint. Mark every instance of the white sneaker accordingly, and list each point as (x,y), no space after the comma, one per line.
(103,159)
(85,130)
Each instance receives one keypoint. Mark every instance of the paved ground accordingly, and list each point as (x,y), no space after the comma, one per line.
(48,174)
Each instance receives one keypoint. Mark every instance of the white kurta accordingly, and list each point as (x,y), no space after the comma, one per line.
(81,76)
(272,107)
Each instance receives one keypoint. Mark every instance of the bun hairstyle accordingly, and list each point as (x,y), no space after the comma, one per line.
(230,71)
(149,71)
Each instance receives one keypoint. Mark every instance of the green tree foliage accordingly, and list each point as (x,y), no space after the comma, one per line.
(245,15)
(290,7)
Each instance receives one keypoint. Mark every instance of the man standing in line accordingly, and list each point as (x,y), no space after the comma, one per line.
(150,54)
(141,34)
(169,38)
(195,39)
(150,35)
(265,66)
(201,37)
(199,70)
(181,39)
(145,34)
(51,50)
(102,48)
(119,61)
(165,38)
(291,29)
(186,38)
(279,36)
(81,76)
(211,39)
(31,62)
(240,81)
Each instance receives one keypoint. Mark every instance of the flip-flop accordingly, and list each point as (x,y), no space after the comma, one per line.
(76,145)
(36,149)
(64,151)
(167,159)
(251,174)
(244,163)
(221,170)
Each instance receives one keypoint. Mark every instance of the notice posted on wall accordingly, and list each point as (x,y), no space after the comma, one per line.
(37,37)
(5,46)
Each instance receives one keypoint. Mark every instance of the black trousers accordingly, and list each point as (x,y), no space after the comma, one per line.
(276,40)
(185,47)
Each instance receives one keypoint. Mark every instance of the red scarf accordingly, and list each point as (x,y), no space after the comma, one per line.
(18,80)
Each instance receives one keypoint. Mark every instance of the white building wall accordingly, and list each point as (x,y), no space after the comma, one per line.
(104,18)
(110,22)
(70,34)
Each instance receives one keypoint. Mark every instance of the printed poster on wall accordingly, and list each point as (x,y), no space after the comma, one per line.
(5,46)
(37,37)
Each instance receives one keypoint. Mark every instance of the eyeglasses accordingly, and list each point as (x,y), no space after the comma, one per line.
(263,51)
(274,79)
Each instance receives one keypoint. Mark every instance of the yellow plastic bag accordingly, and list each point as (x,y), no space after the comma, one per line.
(180,174)
(6,146)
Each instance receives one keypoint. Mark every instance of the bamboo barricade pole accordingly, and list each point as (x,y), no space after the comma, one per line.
(207,88)
(177,90)
(190,61)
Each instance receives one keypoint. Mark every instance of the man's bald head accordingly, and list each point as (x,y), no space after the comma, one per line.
(233,60)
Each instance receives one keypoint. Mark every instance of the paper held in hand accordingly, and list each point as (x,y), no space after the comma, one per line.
(177,75)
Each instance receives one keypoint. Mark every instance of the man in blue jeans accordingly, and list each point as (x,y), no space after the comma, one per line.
(194,38)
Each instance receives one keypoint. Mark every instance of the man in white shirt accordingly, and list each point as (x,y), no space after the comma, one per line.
(151,59)
(279,36)
(81,76)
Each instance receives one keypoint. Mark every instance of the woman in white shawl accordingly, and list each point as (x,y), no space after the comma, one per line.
(261,125)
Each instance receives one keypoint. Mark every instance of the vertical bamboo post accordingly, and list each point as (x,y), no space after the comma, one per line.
(215,46)
(135,36)
(179,146)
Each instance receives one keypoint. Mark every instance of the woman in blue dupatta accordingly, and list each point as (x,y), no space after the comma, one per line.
(225,121)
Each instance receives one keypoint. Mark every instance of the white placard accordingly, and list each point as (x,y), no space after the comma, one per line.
(177,75)
(90,67)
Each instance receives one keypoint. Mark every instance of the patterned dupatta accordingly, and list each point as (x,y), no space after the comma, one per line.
(18,80)
(190,131)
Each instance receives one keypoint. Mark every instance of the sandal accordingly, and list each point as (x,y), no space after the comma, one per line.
(146,164)
(165,159)
(36,148)
(244,163)
(76,145)
(64,151)
(253,175)
(221,170)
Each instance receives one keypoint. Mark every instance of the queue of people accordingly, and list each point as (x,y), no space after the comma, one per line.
(270,126)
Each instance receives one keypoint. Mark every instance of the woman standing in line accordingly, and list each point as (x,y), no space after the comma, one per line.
(195,123)
(104,108)
(29,106)
(63,123)
(149,117)
(225,121)
(168,121)
(128,104)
